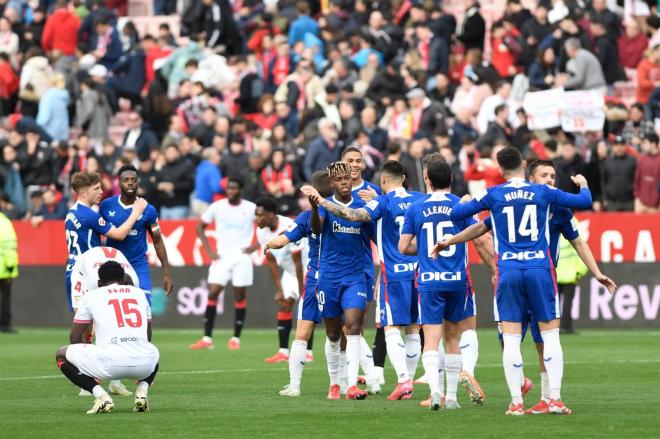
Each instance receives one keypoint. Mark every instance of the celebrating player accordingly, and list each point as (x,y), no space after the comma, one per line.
(342,287)
(231,262)
(444,283)
(308,307)
(84,226)
(122,320)
(288,284)
(397,304)
(561,223)
(520,215)
(116,209)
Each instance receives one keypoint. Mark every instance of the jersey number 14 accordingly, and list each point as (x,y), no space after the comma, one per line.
(528,225)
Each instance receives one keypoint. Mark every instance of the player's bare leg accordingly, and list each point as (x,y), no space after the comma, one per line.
(240,309)
(542,407)
(553,358)
(469,345)
(354,323)
(297,357)
(396,350)
(284,324)
(102,402)
(452,332)
(206,342)
(513,365)
(333,332)
(431,363)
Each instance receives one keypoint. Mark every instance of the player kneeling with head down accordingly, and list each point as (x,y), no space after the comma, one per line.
(122,320)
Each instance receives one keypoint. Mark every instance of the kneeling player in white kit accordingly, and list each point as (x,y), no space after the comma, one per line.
(121,317)
(85,277)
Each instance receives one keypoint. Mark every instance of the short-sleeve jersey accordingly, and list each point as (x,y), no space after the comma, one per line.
(83,226)
(561,223)
(282,255)
(429,220)
(234,225)
(300,229)
(389,213)
(363,186)
(369,233)
(343,244)
(134,246)
(120,314)
(520,215)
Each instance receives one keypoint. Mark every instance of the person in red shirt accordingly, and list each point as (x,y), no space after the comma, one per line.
(153,52)
(505,48)
(266,118)
(647,176)
(486,168)
(61,30)
(632,45)
(8,85)
(648,75)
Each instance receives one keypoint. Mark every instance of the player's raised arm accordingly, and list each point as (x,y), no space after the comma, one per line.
(357,215)
(121,232)
(161,252)
(573,201)
(584,252)
(464,210)
(316,221)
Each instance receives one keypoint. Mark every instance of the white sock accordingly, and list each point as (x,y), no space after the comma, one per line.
(431,368)
(342,370)
(353,348)
(512,362)
(332,358)
(545,387)
(309,351)
(116,382)
(413,350)
(379,373)
(452,370)
(469,350)
(367,360)
(207,339)
(284,351)
(396,350)
(441,367)
(98,392)
(297,362)
(142,387)
(553,357)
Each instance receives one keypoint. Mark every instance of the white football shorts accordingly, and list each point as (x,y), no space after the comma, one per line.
(235,268)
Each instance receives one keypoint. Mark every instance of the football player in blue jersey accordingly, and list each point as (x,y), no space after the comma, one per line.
(526,277)
(342,287)
(366,190)
(309,313)
(444,282)
(397,304)
(116,209)
(561,223)
(83,224)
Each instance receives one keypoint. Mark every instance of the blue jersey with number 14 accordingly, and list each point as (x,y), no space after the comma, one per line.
(84,227)
(389,213)
(520,215)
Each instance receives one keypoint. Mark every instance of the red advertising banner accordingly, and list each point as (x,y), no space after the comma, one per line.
(613,237)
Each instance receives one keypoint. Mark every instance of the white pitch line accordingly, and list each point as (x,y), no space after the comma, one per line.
(271,370)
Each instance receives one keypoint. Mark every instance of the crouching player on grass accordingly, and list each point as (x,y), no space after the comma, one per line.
(122,320)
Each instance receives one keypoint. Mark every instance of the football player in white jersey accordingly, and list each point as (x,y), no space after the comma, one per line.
(231,261)
(290,282)
(121,317)
(85,277)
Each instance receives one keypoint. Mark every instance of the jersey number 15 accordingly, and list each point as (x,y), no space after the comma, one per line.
(126,312)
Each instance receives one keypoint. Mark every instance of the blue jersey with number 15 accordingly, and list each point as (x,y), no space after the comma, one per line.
(84,227)
(520,215)
(429,221)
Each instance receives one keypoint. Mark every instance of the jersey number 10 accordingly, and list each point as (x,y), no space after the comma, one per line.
(126,312)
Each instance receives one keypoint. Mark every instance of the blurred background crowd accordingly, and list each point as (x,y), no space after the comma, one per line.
(193,92)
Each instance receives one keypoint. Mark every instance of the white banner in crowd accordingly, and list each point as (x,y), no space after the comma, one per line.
(572,110)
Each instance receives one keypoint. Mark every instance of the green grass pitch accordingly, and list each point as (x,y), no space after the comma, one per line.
(611,382)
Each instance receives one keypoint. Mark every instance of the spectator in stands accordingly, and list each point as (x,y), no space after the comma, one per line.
(36,161)
(109,156)
(32,32)
(543,71)
(128,75)
(607,52)
(93,112)
(487,109)
(534,31)
(647,176)
(35,74)
(83,150)
(53,113)
(139,136)
(105,43)
(207,181)
(593,173)
(235,161)
(278,179)
(213,20)
(425,118)
(618,176)
(485,170)
(302,25)
(377,136)
(472,30)
(387,86)
(52,206)
(506,48)
(632,45)
(300,88)
(433,49)
(412,163)
(568,164)
(175,182)
(9,83)
(584,68)
(500,128)
(443,92)
(266,117)
(323,150)
(9,41)
(611,22)
(648,77)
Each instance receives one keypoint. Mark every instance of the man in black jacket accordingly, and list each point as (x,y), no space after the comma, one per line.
(498,129)
(606,50)
(472,30)
(533,32)
(618,177)
(568,164)
(386,86)
(38,164)
(175,182)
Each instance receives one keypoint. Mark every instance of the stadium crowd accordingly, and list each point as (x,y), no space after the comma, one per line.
(270,92)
